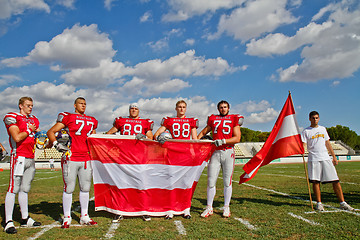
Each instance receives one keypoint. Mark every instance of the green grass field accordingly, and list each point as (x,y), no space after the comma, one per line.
(274,205)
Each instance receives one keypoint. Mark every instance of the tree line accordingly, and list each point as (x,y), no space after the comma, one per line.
(336,133)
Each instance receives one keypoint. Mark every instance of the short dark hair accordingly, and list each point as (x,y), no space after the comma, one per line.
(313,113)
(79,98)
(223,102)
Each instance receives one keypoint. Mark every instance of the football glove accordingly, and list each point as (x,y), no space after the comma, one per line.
(219,142)
(163,137)
(140,136)
(60,147)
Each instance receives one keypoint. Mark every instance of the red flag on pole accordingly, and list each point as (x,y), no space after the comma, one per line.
(283,141)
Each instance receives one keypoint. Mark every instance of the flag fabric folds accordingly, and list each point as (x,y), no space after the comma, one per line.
(283,141)
(142,177)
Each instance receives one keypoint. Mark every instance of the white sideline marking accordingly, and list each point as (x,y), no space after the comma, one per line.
(44,230)
(36,179)
(180,227)
(304,219)
(110,233)
(299,198)
(246,223)
(283,175)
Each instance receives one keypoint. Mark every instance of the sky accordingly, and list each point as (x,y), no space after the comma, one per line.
(156,52)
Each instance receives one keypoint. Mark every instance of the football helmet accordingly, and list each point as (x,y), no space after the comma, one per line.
(41,140)
(163,137)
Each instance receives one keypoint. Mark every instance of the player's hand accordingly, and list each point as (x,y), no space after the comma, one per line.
(219,142)
(161,140)
(61,147)
(140,136)
(32,127)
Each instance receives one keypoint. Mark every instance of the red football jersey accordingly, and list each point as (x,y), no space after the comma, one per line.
(130,126)
(180,128)
(24,148)
(79,128)
(222,126)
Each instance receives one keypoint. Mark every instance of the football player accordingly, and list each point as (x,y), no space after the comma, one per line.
(180,127)
(226,132)
(75,159)
(132,125)
(21,127)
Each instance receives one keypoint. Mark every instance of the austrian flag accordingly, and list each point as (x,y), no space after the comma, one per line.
(283,141)
(142,177)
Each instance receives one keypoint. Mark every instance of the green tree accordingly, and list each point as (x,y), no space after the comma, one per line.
(344,134)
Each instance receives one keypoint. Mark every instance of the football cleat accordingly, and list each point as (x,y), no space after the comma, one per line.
(86,220)
(117,218)
(146,218)
(169,216)
(208,212)
(226,212)
(29,222)
(187,214)
(10,227)
(66,222)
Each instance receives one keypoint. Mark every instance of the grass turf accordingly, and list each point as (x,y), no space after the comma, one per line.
(268,207)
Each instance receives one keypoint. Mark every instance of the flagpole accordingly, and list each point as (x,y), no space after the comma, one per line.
(308,183)
(306,173)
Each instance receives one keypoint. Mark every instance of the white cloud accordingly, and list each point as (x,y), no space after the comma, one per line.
(189,42)
(335,83)
(327,46)
(146,17)
(78,47)
(254,19)
(67,3)
(108,4)
(266,116)
(182,10)
(9,8)
(8,78)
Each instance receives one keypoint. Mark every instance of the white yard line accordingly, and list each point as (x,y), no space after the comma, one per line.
(36,179)
(292,176)
(246,223)
(299,198)
(44,230)
(180,227)
(304,219)
(110,233)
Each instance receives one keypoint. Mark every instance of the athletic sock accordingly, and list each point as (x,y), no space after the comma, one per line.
(227,195)
(67,201)
(9,206)
(84,202)
(210,195)
(23,202)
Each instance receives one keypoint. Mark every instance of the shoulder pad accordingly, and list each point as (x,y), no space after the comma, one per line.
(10,118)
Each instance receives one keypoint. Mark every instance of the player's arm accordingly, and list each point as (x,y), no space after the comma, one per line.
(112,130)
(19,136)
(51,132)
(159,131)
(149,135)
(331,151)
(193,134)
(236,136)
(203,132)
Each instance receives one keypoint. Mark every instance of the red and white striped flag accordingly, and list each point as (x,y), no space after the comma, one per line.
(142,177)
(283,141)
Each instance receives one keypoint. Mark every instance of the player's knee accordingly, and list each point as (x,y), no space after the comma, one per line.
(26,188)
(69,189)
(211,183)
(85,187)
